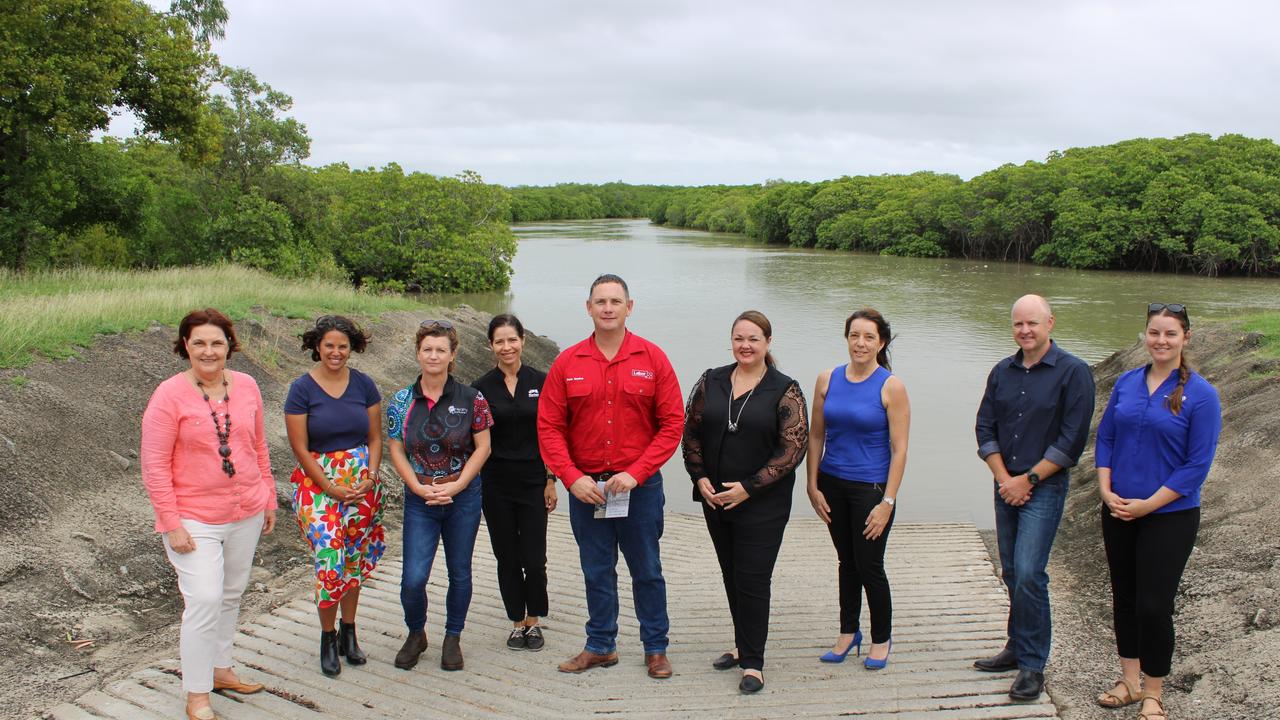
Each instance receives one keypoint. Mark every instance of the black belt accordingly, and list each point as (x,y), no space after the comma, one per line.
(602,476)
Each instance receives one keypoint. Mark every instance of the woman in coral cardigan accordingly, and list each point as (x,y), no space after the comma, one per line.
(206,468)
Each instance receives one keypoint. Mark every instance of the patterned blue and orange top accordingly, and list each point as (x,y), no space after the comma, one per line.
(437,435)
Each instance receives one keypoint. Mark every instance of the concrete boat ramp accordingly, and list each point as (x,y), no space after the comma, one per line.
(949,608)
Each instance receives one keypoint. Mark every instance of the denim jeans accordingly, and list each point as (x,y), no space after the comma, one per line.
(598,543)
(424,527)
(1025,534)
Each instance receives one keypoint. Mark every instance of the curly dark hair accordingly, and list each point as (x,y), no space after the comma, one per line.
(358,338)
(207,316)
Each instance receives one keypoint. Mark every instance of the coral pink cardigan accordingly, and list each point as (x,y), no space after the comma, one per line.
(181,468)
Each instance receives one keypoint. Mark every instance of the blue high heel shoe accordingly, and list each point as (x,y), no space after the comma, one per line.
(831,657)
(872,664)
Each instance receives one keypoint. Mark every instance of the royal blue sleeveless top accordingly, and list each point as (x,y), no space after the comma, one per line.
(857,444)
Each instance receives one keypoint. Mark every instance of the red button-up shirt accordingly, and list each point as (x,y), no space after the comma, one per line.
(620,415)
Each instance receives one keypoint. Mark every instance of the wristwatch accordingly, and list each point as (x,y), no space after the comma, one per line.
(889,501)
(1033,478)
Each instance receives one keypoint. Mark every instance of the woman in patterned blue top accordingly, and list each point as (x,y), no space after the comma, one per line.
(438,432)
(1156,442)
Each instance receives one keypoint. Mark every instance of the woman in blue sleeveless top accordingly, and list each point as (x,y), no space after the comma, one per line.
(857,455)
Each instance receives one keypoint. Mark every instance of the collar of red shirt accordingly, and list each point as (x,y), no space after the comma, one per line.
(628,347)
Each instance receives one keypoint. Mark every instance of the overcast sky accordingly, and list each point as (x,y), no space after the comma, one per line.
(545,91)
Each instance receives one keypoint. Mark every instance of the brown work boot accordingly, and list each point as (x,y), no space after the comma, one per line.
(413,646)
(659,666)
(451,653)
(586,660)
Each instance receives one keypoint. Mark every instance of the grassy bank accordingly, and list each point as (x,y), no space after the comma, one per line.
(1269,325)
(51,313)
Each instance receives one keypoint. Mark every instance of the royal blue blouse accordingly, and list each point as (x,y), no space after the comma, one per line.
(1148,447)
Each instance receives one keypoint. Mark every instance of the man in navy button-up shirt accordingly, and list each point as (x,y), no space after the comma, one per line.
(1032,427)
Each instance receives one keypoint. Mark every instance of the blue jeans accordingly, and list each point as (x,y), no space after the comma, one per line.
(424,527)
(598,543)
(1025,535)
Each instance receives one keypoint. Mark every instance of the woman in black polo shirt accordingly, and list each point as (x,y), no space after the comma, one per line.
(517,492)
(746,430)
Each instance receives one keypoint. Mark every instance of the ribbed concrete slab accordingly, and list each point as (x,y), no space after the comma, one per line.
(948,609)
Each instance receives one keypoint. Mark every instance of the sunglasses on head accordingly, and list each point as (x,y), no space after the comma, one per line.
(445,324)
(1175,308)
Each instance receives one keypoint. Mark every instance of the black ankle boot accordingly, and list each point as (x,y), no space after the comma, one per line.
(347,645)
(329,663)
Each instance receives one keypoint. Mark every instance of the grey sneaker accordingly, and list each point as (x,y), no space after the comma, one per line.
(516,640)
(533,638)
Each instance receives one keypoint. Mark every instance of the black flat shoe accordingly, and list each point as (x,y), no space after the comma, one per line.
(724,662)
(750,684)
(1027,686)
(1003,661)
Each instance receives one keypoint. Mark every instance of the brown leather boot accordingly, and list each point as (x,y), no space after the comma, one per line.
(413,646)
(586,660)
(451,653)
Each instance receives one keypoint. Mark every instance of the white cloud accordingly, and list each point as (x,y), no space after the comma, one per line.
(710,92)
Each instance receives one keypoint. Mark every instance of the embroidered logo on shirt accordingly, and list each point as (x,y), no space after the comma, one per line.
(574,379)
(646,374)
(533,392)
(457,410)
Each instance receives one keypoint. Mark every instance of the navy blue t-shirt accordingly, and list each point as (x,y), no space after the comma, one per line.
(333,423)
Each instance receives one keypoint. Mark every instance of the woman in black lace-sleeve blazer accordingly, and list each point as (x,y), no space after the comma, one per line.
(745,432)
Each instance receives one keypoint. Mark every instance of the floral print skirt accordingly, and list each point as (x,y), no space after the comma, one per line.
(345,538)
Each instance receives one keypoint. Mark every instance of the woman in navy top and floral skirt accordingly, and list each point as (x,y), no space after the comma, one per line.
(334,420)
(1156,442)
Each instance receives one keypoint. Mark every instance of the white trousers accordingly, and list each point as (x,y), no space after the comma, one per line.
(212,578)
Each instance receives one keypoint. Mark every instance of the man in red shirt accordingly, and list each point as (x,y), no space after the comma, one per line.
(611,410)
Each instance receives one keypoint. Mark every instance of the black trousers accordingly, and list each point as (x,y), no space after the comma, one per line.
(861,560)
(747,544)
(516,515)
(1147,557)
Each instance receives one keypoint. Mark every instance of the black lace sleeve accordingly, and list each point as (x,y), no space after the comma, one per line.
(793,441)
(692,441)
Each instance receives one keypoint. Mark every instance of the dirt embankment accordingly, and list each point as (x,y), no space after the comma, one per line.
(80,560)
(1228,649)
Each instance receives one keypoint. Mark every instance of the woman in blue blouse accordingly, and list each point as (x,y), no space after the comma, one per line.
(1155,445)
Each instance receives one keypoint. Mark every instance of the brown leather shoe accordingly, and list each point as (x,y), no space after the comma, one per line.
(239,686)
(586,660)
(659,666)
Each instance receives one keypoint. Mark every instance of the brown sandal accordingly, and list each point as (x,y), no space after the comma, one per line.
(1159,714)
(1112,699)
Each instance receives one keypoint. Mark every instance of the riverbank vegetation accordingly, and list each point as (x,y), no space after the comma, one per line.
(52,313)
(215,172)
(1188,204)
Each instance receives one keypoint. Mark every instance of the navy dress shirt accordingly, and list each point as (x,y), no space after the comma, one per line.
(1038,412)
(1148,447)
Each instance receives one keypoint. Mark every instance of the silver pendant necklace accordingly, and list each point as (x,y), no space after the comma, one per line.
(733,422)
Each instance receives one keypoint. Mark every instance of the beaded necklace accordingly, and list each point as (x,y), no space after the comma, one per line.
(224,430)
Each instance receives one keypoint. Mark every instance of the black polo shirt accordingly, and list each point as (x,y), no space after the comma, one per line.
(514,435)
